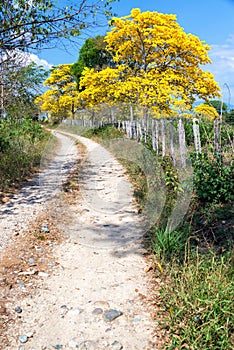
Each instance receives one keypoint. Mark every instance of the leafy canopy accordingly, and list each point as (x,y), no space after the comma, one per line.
(62,97)
(93,54)
(20,85)
(156,65)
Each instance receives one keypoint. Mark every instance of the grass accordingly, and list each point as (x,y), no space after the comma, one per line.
(98,134)
(198,299)
(167,245)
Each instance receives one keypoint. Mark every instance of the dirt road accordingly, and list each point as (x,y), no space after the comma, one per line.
(95,296)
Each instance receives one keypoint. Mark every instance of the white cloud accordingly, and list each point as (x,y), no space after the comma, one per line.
(222,67)
(31,57)
(24,58)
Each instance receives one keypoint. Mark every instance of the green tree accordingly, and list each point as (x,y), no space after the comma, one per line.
(21,84)
(230,117)
(93,54)
(217,104)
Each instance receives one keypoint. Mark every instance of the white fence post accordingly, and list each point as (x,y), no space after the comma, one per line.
(182,143)
(163,137)
(172,149)
(196,134)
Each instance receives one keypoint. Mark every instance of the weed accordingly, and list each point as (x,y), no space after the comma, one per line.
(198,297)
(166,245)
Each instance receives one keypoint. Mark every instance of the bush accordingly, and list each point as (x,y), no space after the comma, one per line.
(108,131)
(213,180)
(21,145)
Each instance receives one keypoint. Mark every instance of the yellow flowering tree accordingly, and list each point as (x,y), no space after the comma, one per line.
(157,65)
(209,112)
(61,99)
(98,88)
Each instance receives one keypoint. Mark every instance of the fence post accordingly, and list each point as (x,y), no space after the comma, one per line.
(146,133)
(112,116)
(196,134)
(163,137)
(172,142)
(155,135)
(131,113)
(133,129)
(139,132)
(182,143)
(217,146)
(129,129)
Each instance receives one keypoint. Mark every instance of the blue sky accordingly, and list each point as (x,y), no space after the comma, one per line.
(211,20)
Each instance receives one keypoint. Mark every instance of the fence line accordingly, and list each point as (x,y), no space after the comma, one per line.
(165,138)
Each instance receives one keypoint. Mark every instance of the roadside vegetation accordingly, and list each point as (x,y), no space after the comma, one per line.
(194,263)
(22,143)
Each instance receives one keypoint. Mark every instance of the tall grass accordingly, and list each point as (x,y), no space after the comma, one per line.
(199,300)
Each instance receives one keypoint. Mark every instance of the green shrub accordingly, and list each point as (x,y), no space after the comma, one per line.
(213,180)
(207,134)
(108,131)
(21,145)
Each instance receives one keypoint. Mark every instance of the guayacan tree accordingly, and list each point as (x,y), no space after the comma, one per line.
(61,99)
(207,111)
(157,65)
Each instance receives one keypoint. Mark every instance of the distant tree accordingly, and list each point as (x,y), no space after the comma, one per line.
(207,111)
(20,86)
(230,117)
(93,54)
(217,104)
